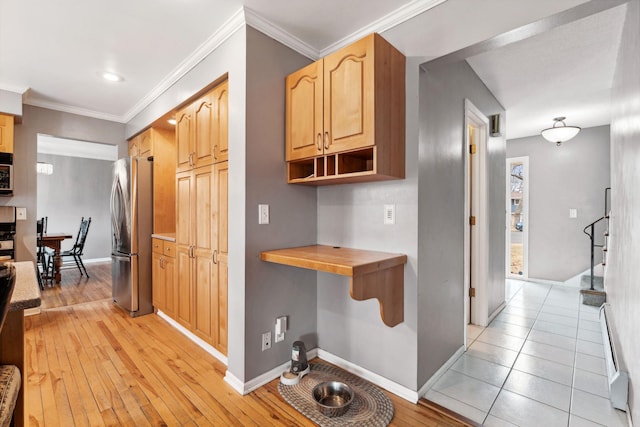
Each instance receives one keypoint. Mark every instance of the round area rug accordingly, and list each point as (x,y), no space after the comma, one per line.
(370,406)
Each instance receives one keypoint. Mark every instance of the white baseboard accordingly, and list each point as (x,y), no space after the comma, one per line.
(259,381)
(440,372)
(496,312)
(32,311)
(385,383)
(202,344)
(95,260)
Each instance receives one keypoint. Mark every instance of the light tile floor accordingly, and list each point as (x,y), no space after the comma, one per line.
(539,363)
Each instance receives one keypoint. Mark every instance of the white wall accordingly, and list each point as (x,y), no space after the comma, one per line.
(573,175)
(351,215)
(442,217)
(623,265)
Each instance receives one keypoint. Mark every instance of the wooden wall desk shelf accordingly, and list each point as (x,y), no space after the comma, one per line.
(373,274)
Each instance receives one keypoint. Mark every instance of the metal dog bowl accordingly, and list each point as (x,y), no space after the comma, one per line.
(332,398)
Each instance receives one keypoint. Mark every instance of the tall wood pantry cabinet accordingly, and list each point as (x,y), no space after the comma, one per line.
(345,116)
(6,133)
(201,218)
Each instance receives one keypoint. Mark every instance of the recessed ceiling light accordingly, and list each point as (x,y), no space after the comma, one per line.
(172,122)
(112,77)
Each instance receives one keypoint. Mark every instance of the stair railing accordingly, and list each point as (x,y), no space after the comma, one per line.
(591,233)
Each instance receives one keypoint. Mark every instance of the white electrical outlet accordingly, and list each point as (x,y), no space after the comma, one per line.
(266,341)
(263,214)
(21,214)
(389,214)
(573,213)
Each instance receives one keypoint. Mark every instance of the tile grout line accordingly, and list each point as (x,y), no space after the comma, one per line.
(519,352)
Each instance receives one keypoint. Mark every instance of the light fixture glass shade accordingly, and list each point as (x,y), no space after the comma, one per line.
(559,132)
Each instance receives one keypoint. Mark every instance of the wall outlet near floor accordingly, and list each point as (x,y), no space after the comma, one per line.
(266,341)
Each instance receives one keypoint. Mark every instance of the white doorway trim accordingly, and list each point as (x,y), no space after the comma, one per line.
(476,247)
(525,218)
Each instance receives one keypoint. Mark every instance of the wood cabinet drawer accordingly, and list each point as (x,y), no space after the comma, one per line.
(156,246)
(169,249)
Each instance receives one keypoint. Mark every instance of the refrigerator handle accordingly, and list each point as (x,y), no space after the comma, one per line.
(115,226)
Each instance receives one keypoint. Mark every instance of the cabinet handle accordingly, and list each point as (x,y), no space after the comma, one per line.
(326,140)
(162,263)
(190,251)
(215,256)
(319,141)
(215,150)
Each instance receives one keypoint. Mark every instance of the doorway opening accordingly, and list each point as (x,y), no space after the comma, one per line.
(517,235)
(476,217)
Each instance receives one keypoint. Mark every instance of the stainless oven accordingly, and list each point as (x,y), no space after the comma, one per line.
(6,174)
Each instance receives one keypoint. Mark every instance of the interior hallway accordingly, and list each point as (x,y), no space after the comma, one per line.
(539,362)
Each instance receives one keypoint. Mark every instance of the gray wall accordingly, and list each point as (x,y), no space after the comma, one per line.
(441,210)
(623,265)
(573,175)
(351,215)
(78,187)
(40,120)
(273,290)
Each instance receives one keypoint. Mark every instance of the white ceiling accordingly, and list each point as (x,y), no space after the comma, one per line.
(55,51)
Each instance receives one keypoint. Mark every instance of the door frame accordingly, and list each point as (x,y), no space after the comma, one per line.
(525,214)
(478,247)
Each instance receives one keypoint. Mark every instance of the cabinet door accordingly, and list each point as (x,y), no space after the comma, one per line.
(221,255)
(304,126)
(203,132)
(157,281)
(220,96)
(203,253)
(349,97)
(184,235)
(6,133)
(133,147)
(184,135)
(168,267)
(144,144)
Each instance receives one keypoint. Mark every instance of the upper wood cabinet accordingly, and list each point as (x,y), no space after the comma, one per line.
(159,143)
(201,130)
(6,133)
(220,98)
(345,116)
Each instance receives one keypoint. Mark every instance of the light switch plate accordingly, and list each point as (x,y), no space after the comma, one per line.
(263,214)
(21,214)
(389,214)
(573,213)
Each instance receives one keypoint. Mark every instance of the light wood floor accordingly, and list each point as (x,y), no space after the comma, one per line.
(90,364)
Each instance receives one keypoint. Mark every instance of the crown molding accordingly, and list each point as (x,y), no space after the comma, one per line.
(72,110)
(397,17)
(272,30)
(231,25)
(244,16)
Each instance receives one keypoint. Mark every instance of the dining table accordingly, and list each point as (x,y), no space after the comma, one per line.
(54,241)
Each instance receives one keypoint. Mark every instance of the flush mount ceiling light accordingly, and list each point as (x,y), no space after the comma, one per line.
(559,132)
(112,77)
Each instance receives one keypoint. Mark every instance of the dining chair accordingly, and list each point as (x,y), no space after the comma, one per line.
(43,262)
(78,247)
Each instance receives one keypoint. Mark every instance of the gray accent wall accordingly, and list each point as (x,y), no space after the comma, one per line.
(37,120)
(273,290)
(623,264)
(573,175)
(351,215)
(77,188)
(441,213)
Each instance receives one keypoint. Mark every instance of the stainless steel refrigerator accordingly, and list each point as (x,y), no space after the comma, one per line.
(131,227)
